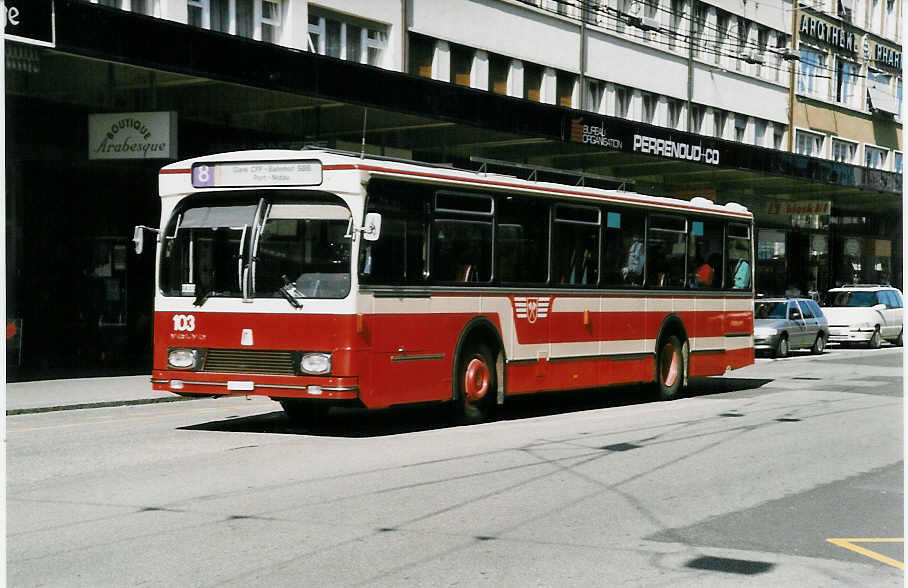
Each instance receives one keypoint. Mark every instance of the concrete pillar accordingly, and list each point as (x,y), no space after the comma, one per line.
(479,73)
(441,62)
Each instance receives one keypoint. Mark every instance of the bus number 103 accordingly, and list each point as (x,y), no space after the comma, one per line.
(184,322)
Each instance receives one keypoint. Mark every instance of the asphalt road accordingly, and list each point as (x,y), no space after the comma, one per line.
(743,483)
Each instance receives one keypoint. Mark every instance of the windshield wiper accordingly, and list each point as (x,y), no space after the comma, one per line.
(203,297)
(291,292)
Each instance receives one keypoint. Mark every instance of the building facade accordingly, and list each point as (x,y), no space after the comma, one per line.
(667,97)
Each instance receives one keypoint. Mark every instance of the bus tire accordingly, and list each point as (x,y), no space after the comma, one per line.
(304,413)
(669,368)
(476,385)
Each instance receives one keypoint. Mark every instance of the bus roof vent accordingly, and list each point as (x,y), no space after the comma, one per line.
(538,173)
(735,207)
(701,201)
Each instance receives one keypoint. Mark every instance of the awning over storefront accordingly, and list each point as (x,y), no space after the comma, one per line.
(881,99)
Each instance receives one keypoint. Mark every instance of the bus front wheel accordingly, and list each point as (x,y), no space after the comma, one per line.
(669,368)
(304,413)
(476,385)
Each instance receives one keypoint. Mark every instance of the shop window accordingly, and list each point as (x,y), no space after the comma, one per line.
(575,245)
(809,144)
(771,262)
(422,54)
(704,255)
(875,157)
(564,89)
(812,73)
(844,151)
(846,81)
(532,82)
(521,241)
(666,251)
(499,68)
(624,248)
(342,37)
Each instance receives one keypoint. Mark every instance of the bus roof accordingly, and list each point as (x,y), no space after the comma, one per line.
(176,179)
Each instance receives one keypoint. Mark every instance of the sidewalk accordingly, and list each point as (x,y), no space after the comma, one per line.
(48,395)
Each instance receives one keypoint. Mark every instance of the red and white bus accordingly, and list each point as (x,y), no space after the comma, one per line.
(320,278)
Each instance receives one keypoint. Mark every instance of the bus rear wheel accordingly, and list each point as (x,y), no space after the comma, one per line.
(669,368)
(476,385)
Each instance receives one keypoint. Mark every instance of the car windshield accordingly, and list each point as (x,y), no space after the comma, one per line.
(770,309)
(258,249)
(851,298)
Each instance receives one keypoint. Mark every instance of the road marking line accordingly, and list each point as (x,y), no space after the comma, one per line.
(850,544)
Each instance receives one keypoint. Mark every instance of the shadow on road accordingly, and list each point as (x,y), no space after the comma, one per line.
(357,423)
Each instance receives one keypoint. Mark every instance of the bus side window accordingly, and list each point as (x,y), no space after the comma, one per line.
(738,256)
(666,249)
(623,255)
(462,237)
(704,254)
(400,255)
(521,240)
(575,245)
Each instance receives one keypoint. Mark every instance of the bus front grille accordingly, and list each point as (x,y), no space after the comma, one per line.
(249,361)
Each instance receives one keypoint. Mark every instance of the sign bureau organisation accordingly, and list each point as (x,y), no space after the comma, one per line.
(597,135)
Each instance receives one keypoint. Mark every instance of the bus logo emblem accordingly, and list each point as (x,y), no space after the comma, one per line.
(246,337)
(532,308)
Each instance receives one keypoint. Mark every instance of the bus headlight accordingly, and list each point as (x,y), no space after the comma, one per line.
(315,363)
(183,359)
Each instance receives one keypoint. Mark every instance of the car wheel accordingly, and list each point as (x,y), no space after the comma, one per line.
(782,348)
(875,340)
(819,345)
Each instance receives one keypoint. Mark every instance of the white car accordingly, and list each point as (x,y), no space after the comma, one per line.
(864,314)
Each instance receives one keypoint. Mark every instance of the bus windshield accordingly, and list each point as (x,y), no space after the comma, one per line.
(257,249)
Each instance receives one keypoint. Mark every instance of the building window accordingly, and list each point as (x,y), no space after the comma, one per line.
(461,65)
(810,144)
(740,128)
(622,101)
(846,81)
(673,113)
(812,73)
(759,132)
(844,151)
(722,24)
(422,54)
(720,118)
(346,38)
(875,158)
(897,162)
(532,82)
(595,96)
(270,20)
(696,118)
(564,89)
(891,23)
(778,134)
(648,108)
(499,67)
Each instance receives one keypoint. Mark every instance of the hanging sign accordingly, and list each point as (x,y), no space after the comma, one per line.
(29,21)
(132,135)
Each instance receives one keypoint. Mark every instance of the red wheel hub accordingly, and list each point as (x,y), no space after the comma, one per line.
(476,380)
(670,367)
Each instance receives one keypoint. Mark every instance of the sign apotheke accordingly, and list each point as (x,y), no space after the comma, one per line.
(828,33)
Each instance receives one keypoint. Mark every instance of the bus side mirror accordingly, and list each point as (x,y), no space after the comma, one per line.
(138,237)
(372,226)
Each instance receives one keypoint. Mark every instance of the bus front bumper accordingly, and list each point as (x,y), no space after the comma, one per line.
(214,384)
